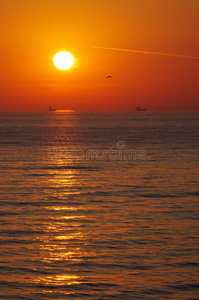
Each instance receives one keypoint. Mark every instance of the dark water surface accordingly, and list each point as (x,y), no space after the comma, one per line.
(99,206)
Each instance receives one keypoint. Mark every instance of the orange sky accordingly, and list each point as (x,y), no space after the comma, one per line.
(33,31)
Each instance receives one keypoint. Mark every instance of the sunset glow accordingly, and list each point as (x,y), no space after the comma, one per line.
(144,45)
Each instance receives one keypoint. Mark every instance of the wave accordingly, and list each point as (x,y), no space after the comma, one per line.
(67,167)
(161,195)
(185,287)
(70,168)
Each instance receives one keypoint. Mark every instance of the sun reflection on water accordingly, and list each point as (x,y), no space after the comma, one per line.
(59,280)
(62,245)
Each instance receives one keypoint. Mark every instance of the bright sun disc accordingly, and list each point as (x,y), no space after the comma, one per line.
(63,60)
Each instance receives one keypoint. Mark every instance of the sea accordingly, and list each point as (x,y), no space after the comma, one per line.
(97,205)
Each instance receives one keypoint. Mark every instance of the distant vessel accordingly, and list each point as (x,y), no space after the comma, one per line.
(140,109)
(51,109)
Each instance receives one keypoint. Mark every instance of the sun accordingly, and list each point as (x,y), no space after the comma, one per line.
(63,60)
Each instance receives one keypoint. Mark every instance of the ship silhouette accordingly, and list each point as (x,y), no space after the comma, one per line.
(138,108)
(51,109)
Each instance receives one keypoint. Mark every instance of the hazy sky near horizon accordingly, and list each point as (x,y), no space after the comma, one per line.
(33,31)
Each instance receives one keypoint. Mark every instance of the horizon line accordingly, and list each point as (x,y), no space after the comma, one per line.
(131,110)
(147,52)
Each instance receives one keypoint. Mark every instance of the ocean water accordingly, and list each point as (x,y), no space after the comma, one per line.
(99,205)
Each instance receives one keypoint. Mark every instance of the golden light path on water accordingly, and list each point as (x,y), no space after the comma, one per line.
(59,246)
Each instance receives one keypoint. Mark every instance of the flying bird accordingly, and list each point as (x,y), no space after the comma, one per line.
(109,77)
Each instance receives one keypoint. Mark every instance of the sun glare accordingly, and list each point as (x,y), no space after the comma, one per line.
(63,60)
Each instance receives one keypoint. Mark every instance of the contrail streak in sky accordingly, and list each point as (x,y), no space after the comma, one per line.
(147,52)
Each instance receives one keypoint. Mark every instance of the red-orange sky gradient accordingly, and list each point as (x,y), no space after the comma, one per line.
(33,31)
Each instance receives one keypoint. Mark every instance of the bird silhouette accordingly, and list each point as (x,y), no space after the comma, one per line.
(109,76)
